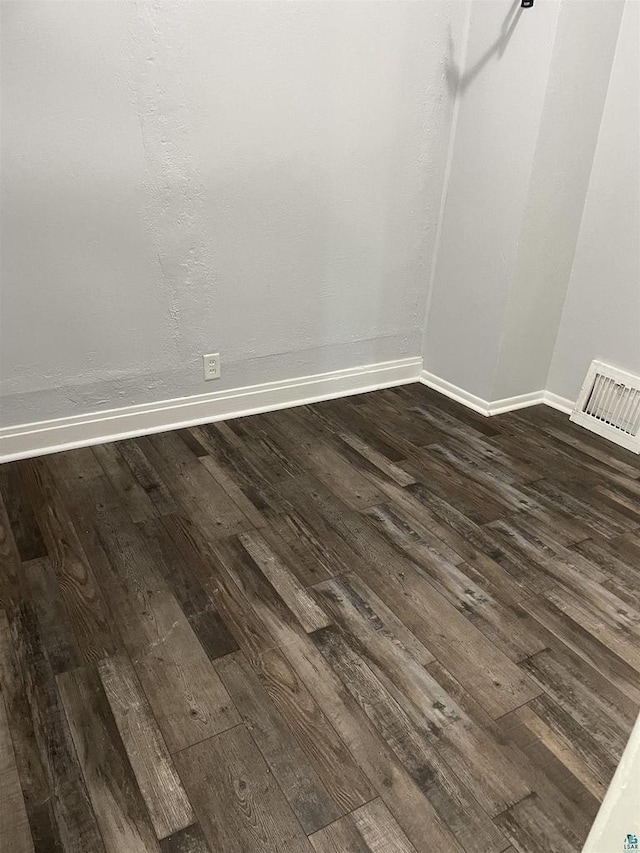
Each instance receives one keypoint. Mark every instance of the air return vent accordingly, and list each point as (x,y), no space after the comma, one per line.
(609,404)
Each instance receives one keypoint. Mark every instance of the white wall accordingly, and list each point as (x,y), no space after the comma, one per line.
(601,317)
(583,50)
(529,114)
(259,179)
(265,180)
(501,99)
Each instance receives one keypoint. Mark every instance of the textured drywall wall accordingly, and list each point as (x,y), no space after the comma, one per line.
(258,179)
(528,118)
(583,52)
(501,95)
(601,316)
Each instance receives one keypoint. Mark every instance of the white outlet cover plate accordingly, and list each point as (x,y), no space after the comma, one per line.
(211,363)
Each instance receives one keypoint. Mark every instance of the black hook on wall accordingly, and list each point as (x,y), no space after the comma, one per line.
(526,4)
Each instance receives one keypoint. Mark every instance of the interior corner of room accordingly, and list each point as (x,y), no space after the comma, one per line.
(445,191)
(213,210)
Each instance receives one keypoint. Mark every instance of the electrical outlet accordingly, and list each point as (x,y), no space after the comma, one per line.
(211,365)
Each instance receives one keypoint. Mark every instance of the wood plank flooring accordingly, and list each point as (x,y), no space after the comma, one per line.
(380,624)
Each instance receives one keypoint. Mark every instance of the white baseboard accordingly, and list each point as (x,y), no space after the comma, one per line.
(483,407)
(35,439)
(562,404)
(495,407)
(454,392)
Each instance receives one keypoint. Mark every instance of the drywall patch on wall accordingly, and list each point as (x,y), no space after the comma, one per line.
(122,389)
(259,180)
(174,211)
(81,303)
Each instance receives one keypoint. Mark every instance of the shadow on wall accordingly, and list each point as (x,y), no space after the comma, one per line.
(460,82)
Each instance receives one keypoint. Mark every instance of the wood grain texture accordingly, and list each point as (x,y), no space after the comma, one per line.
(531,828)
(541,749)
(348,416)
(339,837)
(410,535)
(562,799)
(135,499)
(381,624)
(117,804)
(411,739)
(268,605)
(208,567)
(367,619)
(376,825)
(574,687)
(471,593)
(300,439)
(144,473)
(574,748)
(188,840)
(565,633)
(10,595)
(327,753)
(14,823)
(619,560)
(395,786)
(295,544)
(294,595)
(441,627)
(193,487)
(83,599)
(40,585)
(30,763)
(233,490)
(370,829)
(26,533)
(184,690)
(196,604)
(150,761)
(299,782)
(55,795)
(334,763)
(239,805)
(233,463)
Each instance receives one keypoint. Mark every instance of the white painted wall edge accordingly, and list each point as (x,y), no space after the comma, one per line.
(618,815)
(35,439)
(496,407)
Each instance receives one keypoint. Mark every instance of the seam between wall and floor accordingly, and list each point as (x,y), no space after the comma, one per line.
(35,439)
(496,407)
(507,301)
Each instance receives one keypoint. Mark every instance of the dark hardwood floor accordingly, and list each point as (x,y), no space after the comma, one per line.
(381,623)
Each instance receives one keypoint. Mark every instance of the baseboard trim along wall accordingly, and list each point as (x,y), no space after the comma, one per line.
(497,407)
(35,439)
